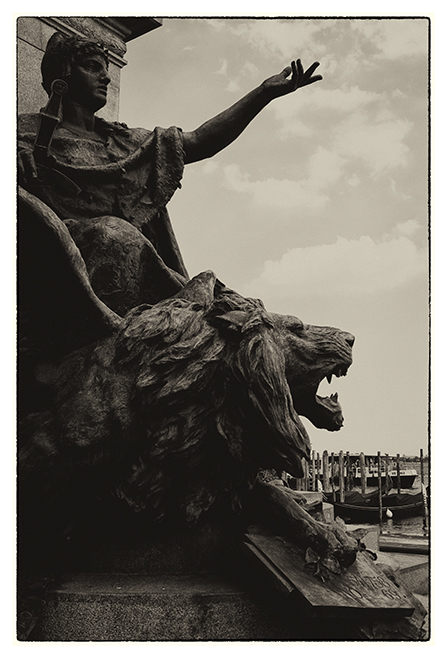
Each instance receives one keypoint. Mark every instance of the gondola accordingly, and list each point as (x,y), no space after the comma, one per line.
(364,508)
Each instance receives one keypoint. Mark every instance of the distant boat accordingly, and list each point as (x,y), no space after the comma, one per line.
(407,475)
(353,473)
(364,508)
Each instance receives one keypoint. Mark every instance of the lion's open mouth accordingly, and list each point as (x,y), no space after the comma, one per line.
(323,412)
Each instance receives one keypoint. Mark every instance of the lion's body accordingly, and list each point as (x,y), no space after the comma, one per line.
(175,413)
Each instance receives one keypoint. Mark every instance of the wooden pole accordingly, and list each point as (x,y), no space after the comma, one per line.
(325,471)
(333,473)
(348,479)
(299,481)
(306,476)
(424,495)
(398,472)
(318,471)
(386,472)
(313,471)
(362,472)
(379,474)
(341,476)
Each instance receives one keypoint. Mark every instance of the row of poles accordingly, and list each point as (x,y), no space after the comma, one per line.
(340,467)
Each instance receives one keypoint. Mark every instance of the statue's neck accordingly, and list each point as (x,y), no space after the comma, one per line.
(78,117)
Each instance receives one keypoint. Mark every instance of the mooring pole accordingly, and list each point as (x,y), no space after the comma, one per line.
(386,472)
(341,476)
(325,471)
(379,480)
(333,473)
(362,472)
(348,472)
(424,493)
(398,472)
(306,476)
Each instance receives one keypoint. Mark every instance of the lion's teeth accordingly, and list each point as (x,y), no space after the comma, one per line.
(329,378)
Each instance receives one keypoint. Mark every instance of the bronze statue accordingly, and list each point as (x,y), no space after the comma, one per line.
(121,179)
(149,402)
(129,373)
(173,415)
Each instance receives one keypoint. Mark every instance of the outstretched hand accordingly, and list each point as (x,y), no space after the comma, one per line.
(284,83)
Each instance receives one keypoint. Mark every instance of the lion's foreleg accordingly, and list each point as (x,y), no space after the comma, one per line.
(327,540)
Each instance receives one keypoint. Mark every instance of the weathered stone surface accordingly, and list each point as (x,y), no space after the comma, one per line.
(140,608)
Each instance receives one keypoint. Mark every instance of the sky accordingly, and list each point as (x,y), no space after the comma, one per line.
(320,208)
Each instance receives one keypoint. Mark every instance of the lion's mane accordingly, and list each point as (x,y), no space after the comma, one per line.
(213,399)
(172,416)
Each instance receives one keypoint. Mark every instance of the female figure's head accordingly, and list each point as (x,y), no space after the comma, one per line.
(83,64)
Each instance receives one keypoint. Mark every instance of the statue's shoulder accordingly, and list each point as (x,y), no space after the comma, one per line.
(119,129)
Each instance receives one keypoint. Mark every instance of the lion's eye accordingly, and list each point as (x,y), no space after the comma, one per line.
(295,325)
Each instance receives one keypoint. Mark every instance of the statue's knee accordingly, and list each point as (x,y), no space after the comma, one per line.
(106,230)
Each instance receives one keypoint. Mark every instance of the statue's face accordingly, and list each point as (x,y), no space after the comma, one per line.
(88,82)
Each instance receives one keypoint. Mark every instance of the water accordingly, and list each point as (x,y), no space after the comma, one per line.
(413,525)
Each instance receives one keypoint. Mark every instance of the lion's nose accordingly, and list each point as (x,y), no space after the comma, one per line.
(349,338)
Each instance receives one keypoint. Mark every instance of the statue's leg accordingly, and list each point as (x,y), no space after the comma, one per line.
(124,268)
(328,540)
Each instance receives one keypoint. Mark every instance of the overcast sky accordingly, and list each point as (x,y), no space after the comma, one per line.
(320,207)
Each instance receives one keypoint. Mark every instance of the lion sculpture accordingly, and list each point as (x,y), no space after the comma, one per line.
(173,415)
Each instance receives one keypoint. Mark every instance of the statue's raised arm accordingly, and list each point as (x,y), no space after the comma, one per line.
(217,133)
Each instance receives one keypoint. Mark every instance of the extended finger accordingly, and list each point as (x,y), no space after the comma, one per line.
(292,68)
(300,68)
(311,80)
(311,69)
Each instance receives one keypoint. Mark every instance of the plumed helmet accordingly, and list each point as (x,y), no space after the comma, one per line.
(62,51)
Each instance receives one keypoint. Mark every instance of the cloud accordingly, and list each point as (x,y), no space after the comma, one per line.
(308,38)
(324,169)
(287,39)
(223,70)
(294,110)
(365,128)
(378,142)
(344,99)
(410,227)
(394,38)
(248,70)
(361,266)
(271,192)
(209,167)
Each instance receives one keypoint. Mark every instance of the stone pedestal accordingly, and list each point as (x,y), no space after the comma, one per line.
(142,608)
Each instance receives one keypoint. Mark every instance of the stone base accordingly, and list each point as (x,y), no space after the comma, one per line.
(192,587)
(139,608)
(109,607)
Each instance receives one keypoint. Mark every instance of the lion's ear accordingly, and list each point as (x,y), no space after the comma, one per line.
(232,321)
(200,289)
